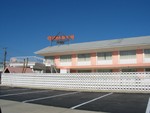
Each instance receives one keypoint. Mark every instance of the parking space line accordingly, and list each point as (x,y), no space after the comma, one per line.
(90,101)
(148,107)
(64,94)
(23,93)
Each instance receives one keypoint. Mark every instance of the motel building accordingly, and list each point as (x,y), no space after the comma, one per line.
(117,55)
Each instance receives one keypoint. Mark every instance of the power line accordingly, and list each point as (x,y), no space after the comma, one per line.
(5,53)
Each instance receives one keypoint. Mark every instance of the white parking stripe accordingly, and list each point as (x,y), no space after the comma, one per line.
(148,107)
(22,93)
(90,101)
(64,94)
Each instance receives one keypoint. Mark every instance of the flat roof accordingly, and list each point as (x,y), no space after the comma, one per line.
(95,45)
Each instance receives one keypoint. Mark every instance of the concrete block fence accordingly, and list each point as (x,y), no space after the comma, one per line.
(135,82)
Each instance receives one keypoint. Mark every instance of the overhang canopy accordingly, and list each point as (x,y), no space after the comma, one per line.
(107,45)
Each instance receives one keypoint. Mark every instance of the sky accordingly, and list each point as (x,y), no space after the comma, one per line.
(26,24)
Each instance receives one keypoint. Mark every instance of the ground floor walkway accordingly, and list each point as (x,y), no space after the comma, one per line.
(18,107)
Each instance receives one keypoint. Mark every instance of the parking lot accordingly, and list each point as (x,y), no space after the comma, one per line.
(92,101)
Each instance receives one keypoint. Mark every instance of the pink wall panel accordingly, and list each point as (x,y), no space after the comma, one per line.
(93,58)
(139,54)
(57,61)
(115,57)
(74,60)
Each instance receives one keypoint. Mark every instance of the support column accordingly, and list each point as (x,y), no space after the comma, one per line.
(57,60)
(93,58)
(115,57)
(74,60)
(139,54)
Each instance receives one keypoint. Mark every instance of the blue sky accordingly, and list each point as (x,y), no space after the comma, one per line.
(26,24)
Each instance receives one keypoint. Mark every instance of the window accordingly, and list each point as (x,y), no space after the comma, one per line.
(49,59)
(147,69)
(84,57)
(104,70)
(147,53)
(65,58)
(104,56)
(129,70)
(84,71)
(128,54)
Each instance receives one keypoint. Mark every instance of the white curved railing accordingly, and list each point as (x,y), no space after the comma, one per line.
(137,82)
(104,62)
(128,61)
(65,63)
(146,60)
(83,63)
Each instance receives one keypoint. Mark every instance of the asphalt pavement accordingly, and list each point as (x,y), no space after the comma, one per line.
(26,100)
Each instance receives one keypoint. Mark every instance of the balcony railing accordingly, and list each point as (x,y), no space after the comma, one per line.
(65,63)
(104,62)
(49,63)
(84,63)
(146,60)
(128,61)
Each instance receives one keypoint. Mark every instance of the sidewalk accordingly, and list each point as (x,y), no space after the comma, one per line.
(19,107)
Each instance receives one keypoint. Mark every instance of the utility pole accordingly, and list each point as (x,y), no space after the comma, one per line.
(5,53)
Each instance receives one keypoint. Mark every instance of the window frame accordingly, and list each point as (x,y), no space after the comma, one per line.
(67,59)
(145,55)
(104,56)
(50,58)
(127,54)
(84,57)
